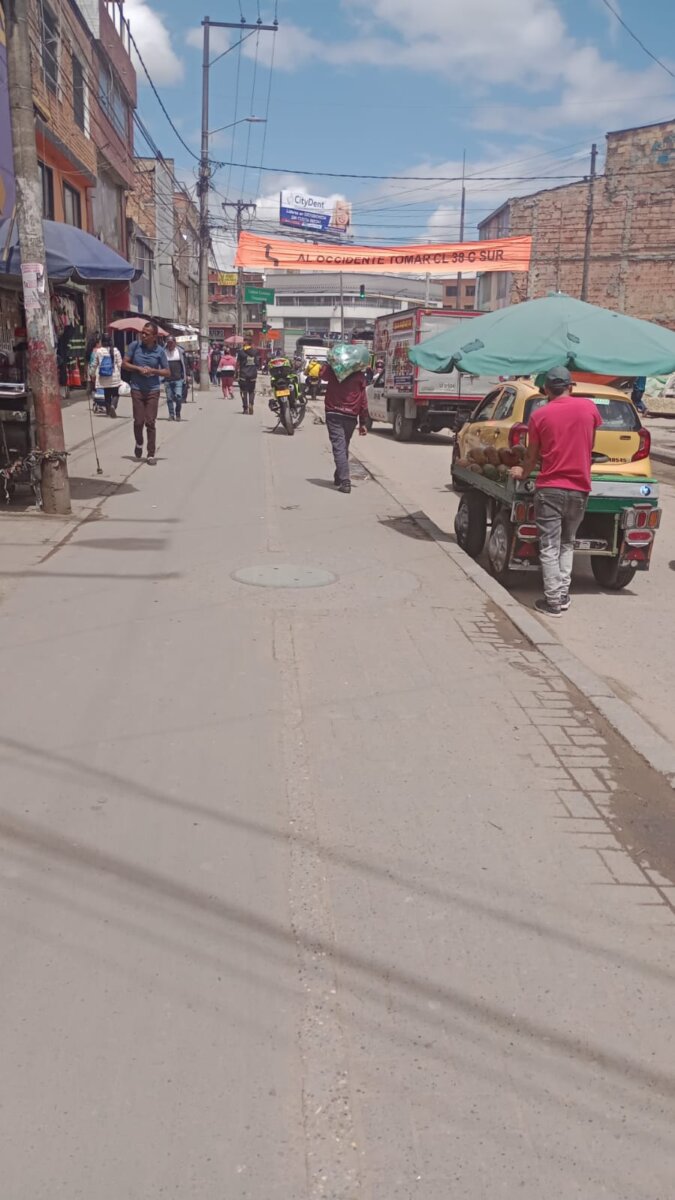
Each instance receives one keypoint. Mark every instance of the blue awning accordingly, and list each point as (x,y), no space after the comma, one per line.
(71,254)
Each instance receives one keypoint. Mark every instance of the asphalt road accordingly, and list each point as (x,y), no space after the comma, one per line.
(331,892)
(624,636)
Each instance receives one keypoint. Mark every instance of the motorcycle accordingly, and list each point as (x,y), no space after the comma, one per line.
(287,402)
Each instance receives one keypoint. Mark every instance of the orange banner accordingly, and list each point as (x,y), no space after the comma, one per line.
(500,254)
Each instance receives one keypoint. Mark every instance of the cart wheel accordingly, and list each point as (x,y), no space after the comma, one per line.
(471,523)
(499,547)
(403,426)
(609,574)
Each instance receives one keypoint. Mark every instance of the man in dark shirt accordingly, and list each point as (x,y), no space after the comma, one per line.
(247,370)
(346,406)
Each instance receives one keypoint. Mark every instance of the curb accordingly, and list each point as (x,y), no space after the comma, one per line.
(663,456)
(655,749)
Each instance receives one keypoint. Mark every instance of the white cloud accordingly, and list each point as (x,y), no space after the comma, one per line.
(293,48)
(154,42)
(219,39)
(488,46)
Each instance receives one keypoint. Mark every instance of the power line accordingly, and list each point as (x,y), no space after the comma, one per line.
(267,111)
(636,39)
(251,109)
(161,103)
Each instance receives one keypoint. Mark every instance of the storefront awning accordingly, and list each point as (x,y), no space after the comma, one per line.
(72,255)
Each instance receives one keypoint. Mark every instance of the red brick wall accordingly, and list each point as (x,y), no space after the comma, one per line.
(633,237)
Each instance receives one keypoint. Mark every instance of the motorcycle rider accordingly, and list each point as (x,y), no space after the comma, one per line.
(313,378)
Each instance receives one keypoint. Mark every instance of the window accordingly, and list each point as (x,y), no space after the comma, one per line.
(50,48)
(79,111)
(504,405)
(451,289)
(72,206)
(470,289)
(47,182)
(112,101)
(483,410)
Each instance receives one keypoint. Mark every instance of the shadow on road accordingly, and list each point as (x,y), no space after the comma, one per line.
(409,527)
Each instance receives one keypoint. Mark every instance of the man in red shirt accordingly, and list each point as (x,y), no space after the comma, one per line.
(346,405)
(560,436)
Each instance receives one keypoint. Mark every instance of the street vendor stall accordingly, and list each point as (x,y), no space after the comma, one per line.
(622,514)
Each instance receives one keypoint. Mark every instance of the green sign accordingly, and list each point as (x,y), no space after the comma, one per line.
(258,295)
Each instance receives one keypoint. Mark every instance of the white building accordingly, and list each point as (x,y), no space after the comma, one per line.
(309,302)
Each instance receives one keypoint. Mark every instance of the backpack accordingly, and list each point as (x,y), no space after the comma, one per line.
(106,366)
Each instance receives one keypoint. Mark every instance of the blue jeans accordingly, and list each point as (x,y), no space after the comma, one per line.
(559,513)
(340,427)
(175,391)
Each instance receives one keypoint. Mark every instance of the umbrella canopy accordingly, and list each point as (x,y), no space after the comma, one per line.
(235,340)
(71,254)
(137,324)
(539,334)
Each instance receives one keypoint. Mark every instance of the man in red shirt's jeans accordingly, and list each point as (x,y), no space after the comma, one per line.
(346,404)
(560,435)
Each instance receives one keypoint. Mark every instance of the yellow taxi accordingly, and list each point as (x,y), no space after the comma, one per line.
(500,420)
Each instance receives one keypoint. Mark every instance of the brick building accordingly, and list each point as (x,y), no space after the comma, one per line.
(152,207)
(632,258)
(84,93)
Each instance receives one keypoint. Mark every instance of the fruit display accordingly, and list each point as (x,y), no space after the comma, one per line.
(492,463)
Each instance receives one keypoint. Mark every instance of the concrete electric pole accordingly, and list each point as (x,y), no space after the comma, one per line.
(240,207)
(203,186)
(589,223)
(42,370)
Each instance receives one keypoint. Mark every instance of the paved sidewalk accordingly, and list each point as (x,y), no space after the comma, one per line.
(663,438)
(310,892)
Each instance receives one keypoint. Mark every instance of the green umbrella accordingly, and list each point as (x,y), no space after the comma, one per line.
(539,334)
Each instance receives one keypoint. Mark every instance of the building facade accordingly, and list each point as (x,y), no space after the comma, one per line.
(309,302)
(632,248)
(459,292)
(186,258)
(84,160)
(152,207)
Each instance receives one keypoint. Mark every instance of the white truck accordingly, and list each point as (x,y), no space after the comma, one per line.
(320,353)
(409,398)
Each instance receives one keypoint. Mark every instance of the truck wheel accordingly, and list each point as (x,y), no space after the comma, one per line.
(471,523)
(499,547)
(609,574)
(403,426)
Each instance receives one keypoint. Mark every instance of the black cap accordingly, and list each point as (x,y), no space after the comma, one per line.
(558,375)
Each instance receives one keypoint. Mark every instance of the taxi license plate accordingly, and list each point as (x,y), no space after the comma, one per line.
(286,393)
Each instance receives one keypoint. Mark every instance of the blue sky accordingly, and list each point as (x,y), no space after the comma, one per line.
(403,87)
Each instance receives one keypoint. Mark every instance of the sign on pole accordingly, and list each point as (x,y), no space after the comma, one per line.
(258,295)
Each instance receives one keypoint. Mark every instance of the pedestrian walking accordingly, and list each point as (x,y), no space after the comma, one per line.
(106,365)
(637,394)
(147,363)
(346,404)
(560,436)
(247,370)
(177,381)
(214,359)
(226,369)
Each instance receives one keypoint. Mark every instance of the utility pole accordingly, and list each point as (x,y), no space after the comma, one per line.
(342,306)
(462,214)
(240,207)
(204,232)
(589,223)
(42,372)
(204,177)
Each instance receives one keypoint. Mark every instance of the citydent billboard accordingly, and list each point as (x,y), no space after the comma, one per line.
(317,214)
(7,190)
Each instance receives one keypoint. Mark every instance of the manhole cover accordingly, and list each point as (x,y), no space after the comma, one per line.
(284,575)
